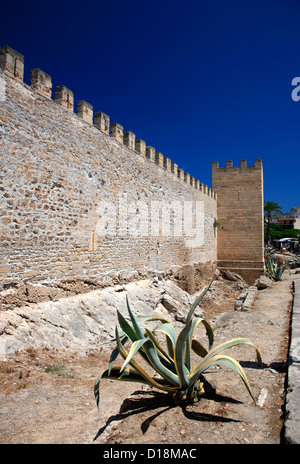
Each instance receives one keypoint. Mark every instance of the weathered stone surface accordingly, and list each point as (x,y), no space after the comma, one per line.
(263,282)
(175,300)
(84,321)
(226,274)
(245,300)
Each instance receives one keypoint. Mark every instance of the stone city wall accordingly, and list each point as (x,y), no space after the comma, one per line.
(73,186)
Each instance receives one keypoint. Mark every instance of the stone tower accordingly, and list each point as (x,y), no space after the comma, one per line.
(240,212)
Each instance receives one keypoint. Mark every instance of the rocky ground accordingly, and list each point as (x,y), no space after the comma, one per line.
(46,393)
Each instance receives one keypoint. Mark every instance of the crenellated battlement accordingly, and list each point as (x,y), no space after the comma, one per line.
(66,167)
(12,63)
(242,166)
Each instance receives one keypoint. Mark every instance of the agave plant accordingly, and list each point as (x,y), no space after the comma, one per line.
(294,262)
(174,372)
(268,250)
(274,268)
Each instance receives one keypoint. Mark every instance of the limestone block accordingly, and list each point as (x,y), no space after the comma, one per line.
(150,153)
(181,174)
(167,164)
(85,111)
(116,132)
(64,97)
(140,146)
(159,158)
(129,139)
(174,169)
(41,83)
(102,122)
(12,62)
(187,177)
(263,282)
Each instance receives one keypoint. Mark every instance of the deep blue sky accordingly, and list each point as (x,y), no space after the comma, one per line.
(201,81)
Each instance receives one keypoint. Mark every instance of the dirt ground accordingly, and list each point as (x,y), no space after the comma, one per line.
(46,397)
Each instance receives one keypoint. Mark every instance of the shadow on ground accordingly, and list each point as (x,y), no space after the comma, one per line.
(150,401)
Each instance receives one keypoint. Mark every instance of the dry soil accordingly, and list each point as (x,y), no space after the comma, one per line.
(47,396)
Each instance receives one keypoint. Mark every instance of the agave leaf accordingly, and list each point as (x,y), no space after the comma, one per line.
(226,361)
(133,350)
(126,327)
(137,320)
(179,357)
(122,335)
(209,332)
(113,357)
(198,348)
(213,353)
(169,331)
(160,351)
(229,344)
(188,320)
(137,328)
(132,334)
(134,321)
(142,319)
(197,301)
(128,332)
(161,384)
(165,369)
(166,361)
(115,351)
(151,352)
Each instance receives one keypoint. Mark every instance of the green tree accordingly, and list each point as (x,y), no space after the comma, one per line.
(271,209)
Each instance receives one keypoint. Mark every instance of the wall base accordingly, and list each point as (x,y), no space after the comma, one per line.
(248,270)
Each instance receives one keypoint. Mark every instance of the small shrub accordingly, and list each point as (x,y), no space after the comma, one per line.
(58,369)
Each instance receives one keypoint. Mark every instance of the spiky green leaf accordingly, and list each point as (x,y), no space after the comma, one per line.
(225,361)
(180,358)
(126,327)
(197,301)
(133,350)
(161,384)
(209,332)
(169,331)
(135,324)
(198,348)
(223,346)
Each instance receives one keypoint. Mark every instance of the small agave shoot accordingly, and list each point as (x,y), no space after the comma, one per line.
(174,372)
